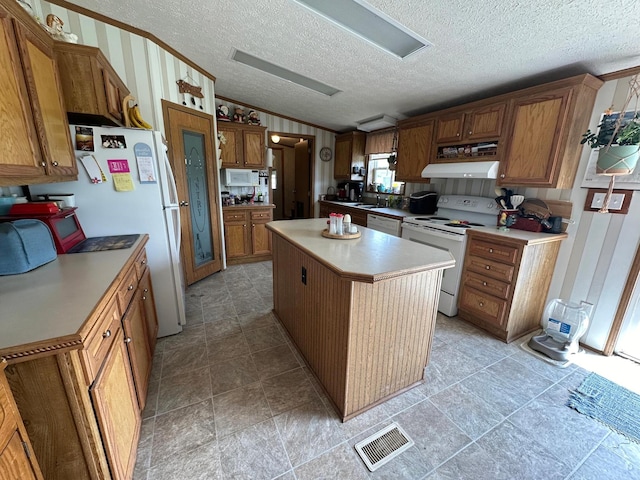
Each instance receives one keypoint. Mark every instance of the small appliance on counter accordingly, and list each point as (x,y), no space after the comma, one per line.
(25,245)
(355,191)
(423,203)
(63,223)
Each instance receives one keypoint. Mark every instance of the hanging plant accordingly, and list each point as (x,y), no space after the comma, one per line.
(618,140)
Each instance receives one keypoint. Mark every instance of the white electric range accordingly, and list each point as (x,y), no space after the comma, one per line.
(446,230)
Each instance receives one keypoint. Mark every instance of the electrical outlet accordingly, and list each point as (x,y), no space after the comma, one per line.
(615,202)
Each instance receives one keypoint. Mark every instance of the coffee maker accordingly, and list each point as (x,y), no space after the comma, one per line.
(354,190)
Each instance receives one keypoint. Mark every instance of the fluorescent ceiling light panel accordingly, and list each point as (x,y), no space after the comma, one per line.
(283,73)
(377,123)
(364,21)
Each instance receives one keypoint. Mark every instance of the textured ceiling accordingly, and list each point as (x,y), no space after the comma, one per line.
(479,48)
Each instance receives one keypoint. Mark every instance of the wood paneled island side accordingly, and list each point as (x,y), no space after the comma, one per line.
(362,312)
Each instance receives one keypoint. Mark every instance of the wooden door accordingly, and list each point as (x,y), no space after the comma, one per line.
(229,150)
(192,154)
(137,340)
(47,103)
(116,407)
(450,128)
(302,191)
(536,125)
(19,144)
(148,304)
(485,122)
(254,151)
(414,150)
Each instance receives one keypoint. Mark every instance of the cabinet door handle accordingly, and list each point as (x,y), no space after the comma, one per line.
(491,250)
(484,284)
(127,340)
(184,204)
(130,287)
(54,163)
(146,290)
(106,334)
(144,297)
(487,267)
(143,262)
(43,164)
(502,175)
(481,304)
(244,226)
(470,132)
(457,134)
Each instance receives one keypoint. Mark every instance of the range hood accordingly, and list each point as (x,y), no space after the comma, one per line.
(461,170)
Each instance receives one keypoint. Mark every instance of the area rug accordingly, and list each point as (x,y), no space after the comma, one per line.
(608,403)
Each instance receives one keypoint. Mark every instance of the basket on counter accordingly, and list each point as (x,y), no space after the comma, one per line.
(331,194)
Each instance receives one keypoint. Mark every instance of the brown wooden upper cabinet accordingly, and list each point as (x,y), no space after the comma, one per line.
(545,126)
(349,154)
(35,138)
(414,150)
(244,147)
(93,91)
(483,123)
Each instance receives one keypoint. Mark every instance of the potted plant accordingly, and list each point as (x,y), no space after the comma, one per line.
(618,139)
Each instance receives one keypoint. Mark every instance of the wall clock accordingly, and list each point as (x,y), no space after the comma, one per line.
(325,154)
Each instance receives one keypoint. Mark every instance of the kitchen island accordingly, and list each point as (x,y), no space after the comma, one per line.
(361,311)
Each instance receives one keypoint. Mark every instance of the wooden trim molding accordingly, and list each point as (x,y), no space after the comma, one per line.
(623,305)
(269,112)
(627,72)
(44,350)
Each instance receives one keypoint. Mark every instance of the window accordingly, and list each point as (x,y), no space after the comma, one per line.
(380,178)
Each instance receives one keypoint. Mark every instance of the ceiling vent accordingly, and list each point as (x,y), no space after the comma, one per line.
(362,20)
(377,123)
(268,67)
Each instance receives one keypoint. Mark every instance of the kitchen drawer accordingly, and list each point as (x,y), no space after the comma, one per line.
(100,338)
(141,263)
(488,285)
(264,215)
(128,288)
(490,268)
(483,306)
(234,216)
(500,253)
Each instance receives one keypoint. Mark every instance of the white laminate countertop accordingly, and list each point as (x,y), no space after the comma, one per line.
(525,236)
(54,300)
(372,257)
(394,212)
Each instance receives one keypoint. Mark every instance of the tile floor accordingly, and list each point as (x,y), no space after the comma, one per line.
(230,398)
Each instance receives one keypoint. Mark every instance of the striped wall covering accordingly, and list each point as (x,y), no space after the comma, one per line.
(150,73)
(593,262)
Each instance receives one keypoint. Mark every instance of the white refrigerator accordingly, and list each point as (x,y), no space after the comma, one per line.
(152,208)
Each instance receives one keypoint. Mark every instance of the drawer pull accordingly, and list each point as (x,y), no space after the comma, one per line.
(491,250)
(484,284)
(127,340)
(130,287)
(481,304)
(106,334)
(487,267)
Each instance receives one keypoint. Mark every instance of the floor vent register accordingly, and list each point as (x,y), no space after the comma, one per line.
(383,446)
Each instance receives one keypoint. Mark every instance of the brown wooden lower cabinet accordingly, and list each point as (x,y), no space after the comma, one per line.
(246,237)
(358,215)
(505,281)
(81,400)
(116,406)
(16,460)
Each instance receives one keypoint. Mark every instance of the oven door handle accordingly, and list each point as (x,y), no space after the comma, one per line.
(454,237)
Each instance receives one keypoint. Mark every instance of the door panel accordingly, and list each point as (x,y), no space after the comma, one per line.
(192,154)
(303,181)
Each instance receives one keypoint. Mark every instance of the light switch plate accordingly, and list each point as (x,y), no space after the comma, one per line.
(618,203)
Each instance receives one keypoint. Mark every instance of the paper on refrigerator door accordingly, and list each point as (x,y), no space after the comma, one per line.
(90,164)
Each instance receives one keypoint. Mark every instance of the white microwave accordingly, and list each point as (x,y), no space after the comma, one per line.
(236,177)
